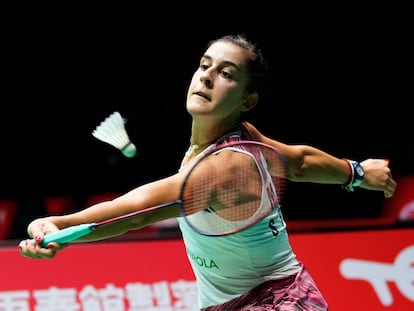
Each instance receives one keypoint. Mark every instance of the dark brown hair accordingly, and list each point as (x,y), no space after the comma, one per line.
(257,66)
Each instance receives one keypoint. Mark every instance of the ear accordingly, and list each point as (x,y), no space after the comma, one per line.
(249,102)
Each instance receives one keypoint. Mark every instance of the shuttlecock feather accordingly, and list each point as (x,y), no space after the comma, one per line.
(112,131)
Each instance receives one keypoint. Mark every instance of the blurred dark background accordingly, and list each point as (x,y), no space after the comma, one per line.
(343,82)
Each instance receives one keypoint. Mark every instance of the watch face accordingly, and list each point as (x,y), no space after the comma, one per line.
(360,171)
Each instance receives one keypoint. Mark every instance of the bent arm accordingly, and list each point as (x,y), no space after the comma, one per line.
(310,164)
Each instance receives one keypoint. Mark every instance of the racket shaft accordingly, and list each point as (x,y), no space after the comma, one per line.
(66,235)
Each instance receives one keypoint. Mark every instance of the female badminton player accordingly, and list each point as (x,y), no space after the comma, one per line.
(255,268)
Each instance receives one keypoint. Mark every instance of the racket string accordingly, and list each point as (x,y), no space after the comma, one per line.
(229,195)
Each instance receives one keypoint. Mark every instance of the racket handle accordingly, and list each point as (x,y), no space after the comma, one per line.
(66,235)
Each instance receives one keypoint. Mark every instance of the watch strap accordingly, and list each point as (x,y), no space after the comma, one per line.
(356,176)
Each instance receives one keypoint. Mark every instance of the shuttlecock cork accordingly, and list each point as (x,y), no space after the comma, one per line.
(112,131)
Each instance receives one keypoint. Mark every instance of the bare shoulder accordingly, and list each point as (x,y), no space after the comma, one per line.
(292,152)
(259,136)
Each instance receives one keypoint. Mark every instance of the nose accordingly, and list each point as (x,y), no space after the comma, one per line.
(206,78)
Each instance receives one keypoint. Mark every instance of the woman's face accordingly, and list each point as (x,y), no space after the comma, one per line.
(218,87)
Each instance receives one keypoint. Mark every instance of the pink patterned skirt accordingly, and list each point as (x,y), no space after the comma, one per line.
(294,293)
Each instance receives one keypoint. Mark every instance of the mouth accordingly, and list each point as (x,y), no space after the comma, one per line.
(201,94)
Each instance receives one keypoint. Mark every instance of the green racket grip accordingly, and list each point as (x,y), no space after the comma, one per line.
(66,235)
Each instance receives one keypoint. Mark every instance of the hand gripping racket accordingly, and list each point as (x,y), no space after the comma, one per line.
(230,187)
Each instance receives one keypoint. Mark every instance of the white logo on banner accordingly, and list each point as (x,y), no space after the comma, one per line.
(378,274)
(407,211)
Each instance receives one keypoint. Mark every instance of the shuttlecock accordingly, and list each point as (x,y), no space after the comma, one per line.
(112,131)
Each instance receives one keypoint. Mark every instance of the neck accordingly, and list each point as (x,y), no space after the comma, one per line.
(194,149)
(204,133)
(196,146)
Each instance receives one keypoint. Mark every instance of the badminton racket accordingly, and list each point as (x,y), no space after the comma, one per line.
(229,188)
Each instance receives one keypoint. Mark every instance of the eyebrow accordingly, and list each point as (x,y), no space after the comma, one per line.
(227,63)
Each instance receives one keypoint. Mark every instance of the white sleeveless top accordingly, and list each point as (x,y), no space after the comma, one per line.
(227,266)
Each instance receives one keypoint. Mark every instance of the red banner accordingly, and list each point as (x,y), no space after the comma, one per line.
(365,270)
(115,276)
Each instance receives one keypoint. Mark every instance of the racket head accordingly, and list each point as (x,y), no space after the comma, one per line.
(232,186)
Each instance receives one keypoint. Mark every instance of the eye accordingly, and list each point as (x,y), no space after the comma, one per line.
(226,74)
(203,67)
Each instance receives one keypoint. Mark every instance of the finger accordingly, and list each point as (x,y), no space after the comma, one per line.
(38,252)
(38,239)
(389,192)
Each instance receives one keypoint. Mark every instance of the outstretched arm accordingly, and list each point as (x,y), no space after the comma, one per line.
(139,199)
